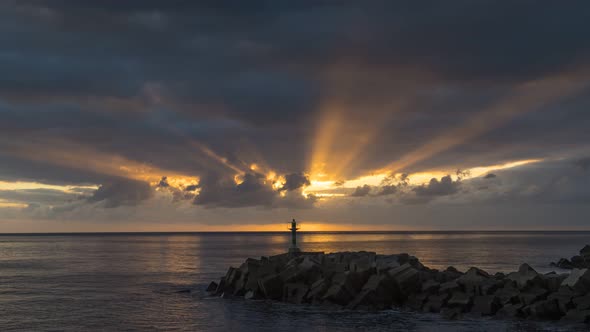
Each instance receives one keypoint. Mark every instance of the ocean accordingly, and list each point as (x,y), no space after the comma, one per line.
(141,281)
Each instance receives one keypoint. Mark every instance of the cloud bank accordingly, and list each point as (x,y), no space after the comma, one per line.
(188,109)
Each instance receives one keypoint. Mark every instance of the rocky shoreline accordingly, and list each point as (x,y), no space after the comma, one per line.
(369,281)
(581,261)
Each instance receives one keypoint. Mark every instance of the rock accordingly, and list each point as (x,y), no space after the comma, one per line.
(339,278)
(449,274)
(249,295)
(578,262)
(564,298)
(231,277)
(331,268)
(305,270)
(354,281)
(384,263)
(382,284)
(577,316)
(345,286)
(430,286)
(510,311)
(415,263)
(499,276)
(332,258)
(239,285)
(525,277)
(578,280)
(406,277)
(452,269)
(434,303)
(451,313)
(553,281)
(490,286)
(547,309)
(352,257)
(363,264)
(220,286)
(508,294)
(271,287)
(280,259)
(416,301)
(582,302)
(449,287)
(212,287)
(364,280)
(585,252)
(317,289)
(266,267)
(473,280)
(365,300)
(460,300)
(532,295)
(250,265)
(564,263)
(295,292)
(256,270)
(378,293)
(403,258)
(338,294)
(252,282)
(485,305)
(426,275)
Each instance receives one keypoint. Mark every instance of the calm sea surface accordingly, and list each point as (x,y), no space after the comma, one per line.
(130,282)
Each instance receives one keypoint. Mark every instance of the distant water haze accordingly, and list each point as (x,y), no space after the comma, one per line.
(76,282)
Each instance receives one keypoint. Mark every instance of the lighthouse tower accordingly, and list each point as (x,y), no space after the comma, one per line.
(293,248)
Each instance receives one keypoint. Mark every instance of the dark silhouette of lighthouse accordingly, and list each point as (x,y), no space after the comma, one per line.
(293,229)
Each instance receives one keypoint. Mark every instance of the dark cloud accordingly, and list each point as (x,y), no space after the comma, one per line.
(583,163)
(401,180)
(361,191)
(39,196)
(446,186)
(387,190)
(164,182)
(20,169)
(228,73)
(122,192)
(153,82)
(192,187)
(553,182)
(253,190)
(382,33)
(557,182)
(178,194)
(295,181)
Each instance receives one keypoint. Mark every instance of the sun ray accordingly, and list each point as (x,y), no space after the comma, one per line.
(528,97)
(77,156)
(326,131)
(328,189)
(210,153)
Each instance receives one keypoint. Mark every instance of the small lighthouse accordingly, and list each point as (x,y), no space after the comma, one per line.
(293,248)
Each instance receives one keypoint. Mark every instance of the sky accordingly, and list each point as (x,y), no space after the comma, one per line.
(241,115)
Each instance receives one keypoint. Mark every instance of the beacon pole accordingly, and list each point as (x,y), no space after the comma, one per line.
(293,229)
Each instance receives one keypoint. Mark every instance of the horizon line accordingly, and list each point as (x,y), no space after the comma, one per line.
(305,232)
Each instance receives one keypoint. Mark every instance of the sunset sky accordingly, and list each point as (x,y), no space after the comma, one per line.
(346,115)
